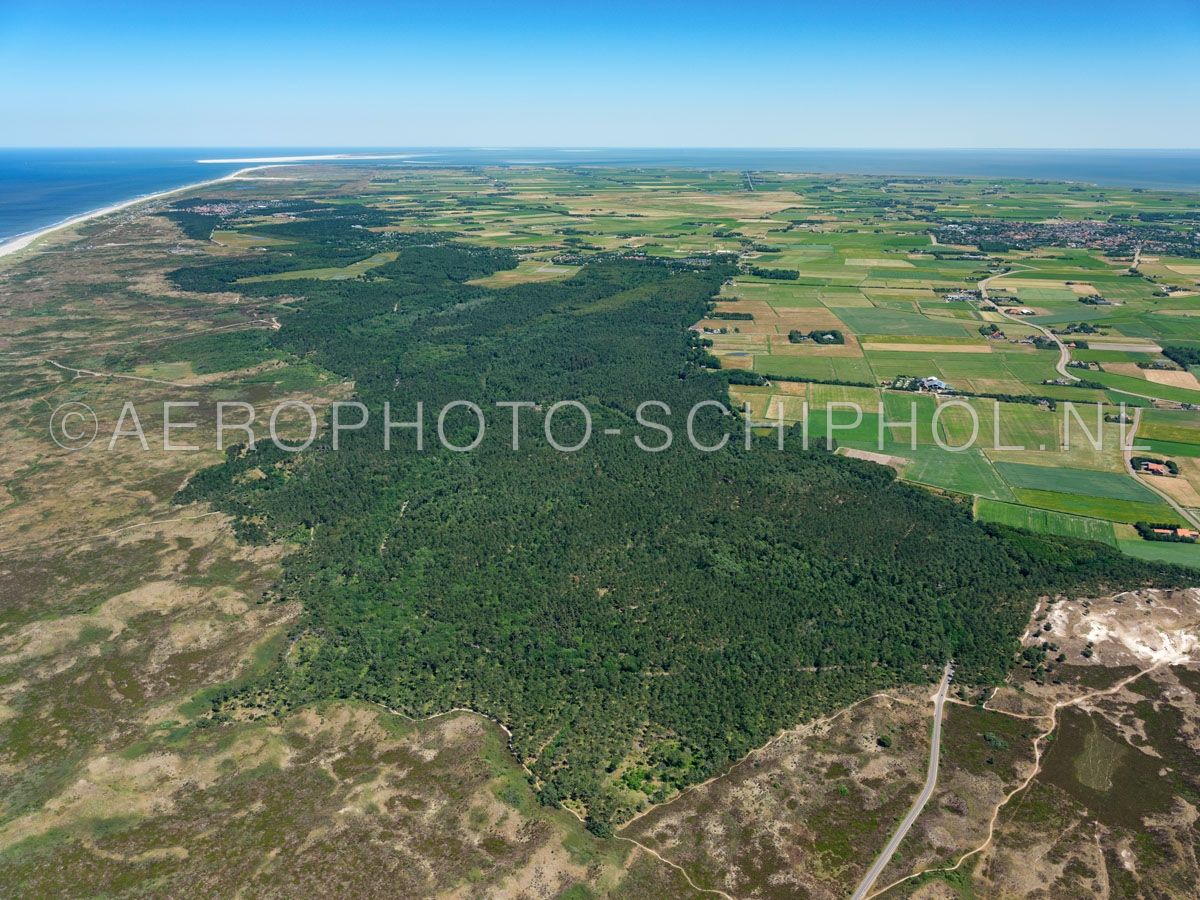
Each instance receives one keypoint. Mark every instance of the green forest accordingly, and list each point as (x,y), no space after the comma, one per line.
(637,619)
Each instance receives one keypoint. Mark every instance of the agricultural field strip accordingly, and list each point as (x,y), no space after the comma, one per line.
(849,318)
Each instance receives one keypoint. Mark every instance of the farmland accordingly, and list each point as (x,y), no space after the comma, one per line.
(913,298)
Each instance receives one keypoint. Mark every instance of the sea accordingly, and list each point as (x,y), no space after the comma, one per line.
(41,187)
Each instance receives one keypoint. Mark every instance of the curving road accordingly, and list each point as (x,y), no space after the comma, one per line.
(1127,453)
(935,746)
(1064,353)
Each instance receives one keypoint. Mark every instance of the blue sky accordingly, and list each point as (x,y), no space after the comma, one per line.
(963,74)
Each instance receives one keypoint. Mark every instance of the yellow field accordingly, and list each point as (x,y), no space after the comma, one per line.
(880,263)
(526,272)
(1179,489)
(1128,369)
(884,459)
(1179,379)
(328,274)
(237,240)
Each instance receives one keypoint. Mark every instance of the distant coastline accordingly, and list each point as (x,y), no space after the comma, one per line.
(42,191)
(319,157)
(20,242)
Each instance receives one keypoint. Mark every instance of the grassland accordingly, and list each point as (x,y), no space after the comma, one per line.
(1047,521)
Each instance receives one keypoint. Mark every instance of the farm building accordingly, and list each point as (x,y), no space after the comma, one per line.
(931,383)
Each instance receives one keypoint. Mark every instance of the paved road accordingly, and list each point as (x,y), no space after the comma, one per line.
(935,748)
(1064,353)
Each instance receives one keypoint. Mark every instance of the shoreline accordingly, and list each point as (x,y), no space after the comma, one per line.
(23,241)
(325,157)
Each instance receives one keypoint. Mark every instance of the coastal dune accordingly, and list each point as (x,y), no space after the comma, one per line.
(23,241)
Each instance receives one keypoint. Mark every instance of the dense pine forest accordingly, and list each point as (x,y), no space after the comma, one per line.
(638,619)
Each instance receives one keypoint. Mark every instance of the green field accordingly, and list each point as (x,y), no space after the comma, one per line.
(1161,551)
(1046,521)
(897,322)
(1168,448)
(1075,481)
(1128,511)
(968,472)
(328,273)
(828,368)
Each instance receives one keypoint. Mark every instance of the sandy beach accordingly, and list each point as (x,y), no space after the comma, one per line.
(25,240)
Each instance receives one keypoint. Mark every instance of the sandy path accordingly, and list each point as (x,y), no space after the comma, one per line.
(1051,718)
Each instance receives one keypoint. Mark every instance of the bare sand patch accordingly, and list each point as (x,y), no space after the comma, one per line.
(111,786)
(46,637)
(884,459)
(1136,627)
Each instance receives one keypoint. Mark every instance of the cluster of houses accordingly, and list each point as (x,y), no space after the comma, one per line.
(1115,238)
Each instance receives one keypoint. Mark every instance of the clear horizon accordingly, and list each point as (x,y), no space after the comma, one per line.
(349,148)
(1020,75)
